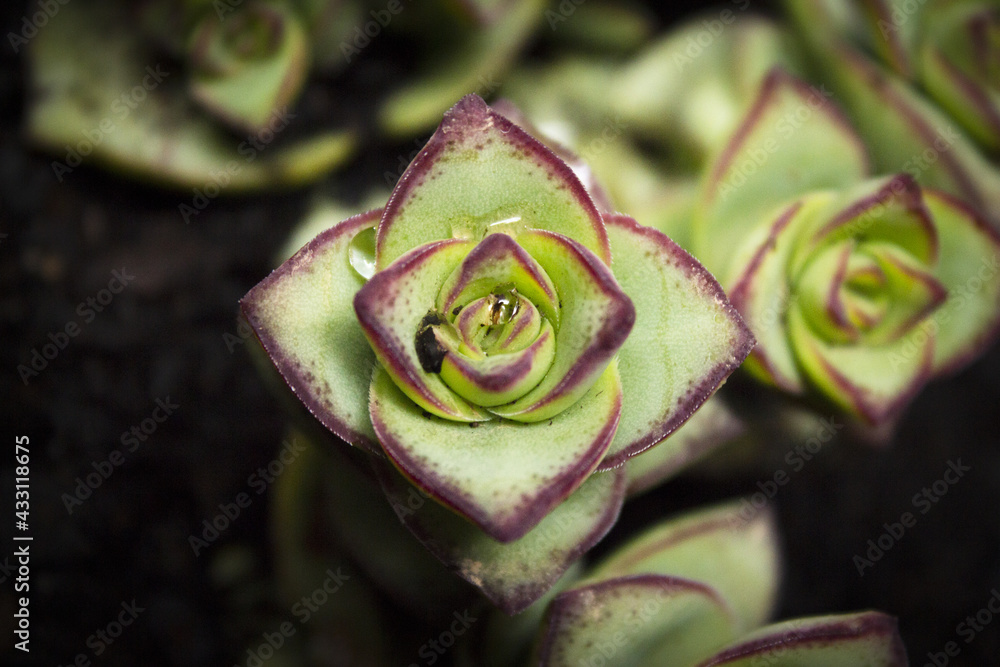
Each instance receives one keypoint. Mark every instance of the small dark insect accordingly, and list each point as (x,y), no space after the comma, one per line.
(430,352)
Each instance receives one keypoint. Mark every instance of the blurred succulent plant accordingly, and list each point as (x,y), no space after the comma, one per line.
(921,82)
(858,288)
(109,92)
(691,591)
(229,75)
(245,67)
(648,124)
(694,590)
(475,333)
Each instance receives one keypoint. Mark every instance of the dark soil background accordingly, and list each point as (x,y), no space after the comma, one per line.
(165,337)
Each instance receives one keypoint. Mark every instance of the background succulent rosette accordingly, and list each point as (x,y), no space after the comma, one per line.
(476,334)
(858,288)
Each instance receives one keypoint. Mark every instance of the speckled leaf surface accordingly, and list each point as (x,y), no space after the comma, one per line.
(635,621)
(729,547)
(481,173)
(504,476)
(686,341)
(303,315)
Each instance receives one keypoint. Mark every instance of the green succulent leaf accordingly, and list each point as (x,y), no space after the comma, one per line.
(888,210)
(865,639)
(711,425)
(479,173)
(686,340)
(763,293)
(906,133)
(249,66)
(731,547)
(690,97)
(635,621)
(872,382)
(331,491)
(502,475)
(302,313)
(476,62)
(958,59)
(968,269)
(506,641)
(793,140)
(515,574)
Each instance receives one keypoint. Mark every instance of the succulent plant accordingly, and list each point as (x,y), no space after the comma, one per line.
(476,334)
(694,590)
(247,66)
(108,92)
(858,288)
(920,82)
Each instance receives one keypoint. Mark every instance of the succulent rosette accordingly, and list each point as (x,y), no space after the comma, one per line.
(250,65)
(858,289)
(693,591)
(921,80)
(476,334)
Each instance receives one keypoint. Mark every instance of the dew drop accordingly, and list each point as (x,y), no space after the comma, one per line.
(361,253)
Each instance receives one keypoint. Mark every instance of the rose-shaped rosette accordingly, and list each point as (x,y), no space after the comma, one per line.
(477,335)
(695,590)
(250,65)
(857,288)
(921,81)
